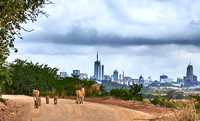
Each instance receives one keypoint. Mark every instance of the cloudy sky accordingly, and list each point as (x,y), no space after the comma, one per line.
(148,37)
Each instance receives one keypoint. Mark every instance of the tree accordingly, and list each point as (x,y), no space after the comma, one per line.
(136,91)
(12,14)
(27,76)
(171,94)
(103,91)
(5,76)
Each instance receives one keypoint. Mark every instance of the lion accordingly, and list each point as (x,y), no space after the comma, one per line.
(40,101)
(36,98)
(55,100)
(47,99)
(35,94)
(36,104)
(80,94)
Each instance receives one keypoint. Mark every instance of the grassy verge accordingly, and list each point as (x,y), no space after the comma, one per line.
(3,100)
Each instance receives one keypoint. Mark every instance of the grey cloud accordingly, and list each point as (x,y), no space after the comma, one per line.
(117,25)
(79,36)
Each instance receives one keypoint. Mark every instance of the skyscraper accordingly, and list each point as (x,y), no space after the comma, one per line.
(141,80)
(97,69)
(189,74)
(102,72)
(190,78)
(115,75)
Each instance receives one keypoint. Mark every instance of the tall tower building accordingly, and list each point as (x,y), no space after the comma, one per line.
(102,72)
(97,69)
(115,75)
(189,74)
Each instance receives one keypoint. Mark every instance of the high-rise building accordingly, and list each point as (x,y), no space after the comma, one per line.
(97,69)
(141,80)
(195,79)
(115,75)
(102,72)
(76,72)
(163,78)
(63,74)
(180,80)
(190,78)
(189,74)
(107,77)
(121,76)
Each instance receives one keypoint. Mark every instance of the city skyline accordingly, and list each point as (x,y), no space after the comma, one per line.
(149,37)
(99,72)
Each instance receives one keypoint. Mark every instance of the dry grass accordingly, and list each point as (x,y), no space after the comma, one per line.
(186,111)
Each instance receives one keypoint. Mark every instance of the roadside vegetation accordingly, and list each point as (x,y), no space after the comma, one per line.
(188,107)
(22,77)
(27,76)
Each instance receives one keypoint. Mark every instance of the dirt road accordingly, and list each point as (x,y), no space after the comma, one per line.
(67,110)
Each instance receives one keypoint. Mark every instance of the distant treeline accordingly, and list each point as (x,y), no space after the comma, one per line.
(26,76)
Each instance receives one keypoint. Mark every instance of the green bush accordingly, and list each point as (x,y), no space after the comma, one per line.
(155,100)
(148,96)
(120,94)
(103,91)
(163,101)
(197,106)
(197,97)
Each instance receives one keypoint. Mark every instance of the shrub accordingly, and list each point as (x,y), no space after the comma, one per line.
(187,111)
(103,92)
(135,92)
(163,101)
(120,94)
(197,106)
(148,96)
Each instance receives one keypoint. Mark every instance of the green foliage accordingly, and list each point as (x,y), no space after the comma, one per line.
(110,85)
(12,14)
(148,89)
(103,91)
(148,96)
(197,97)
(171,94)
(163,101)
(5,76)
(3,100)
(27,76)
(197,106)
(135,91)
(70,84)
(125,94)
(120,94)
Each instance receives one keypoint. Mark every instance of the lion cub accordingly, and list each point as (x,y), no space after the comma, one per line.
(36,104)
(40,101)
(55,100)
(47,99)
